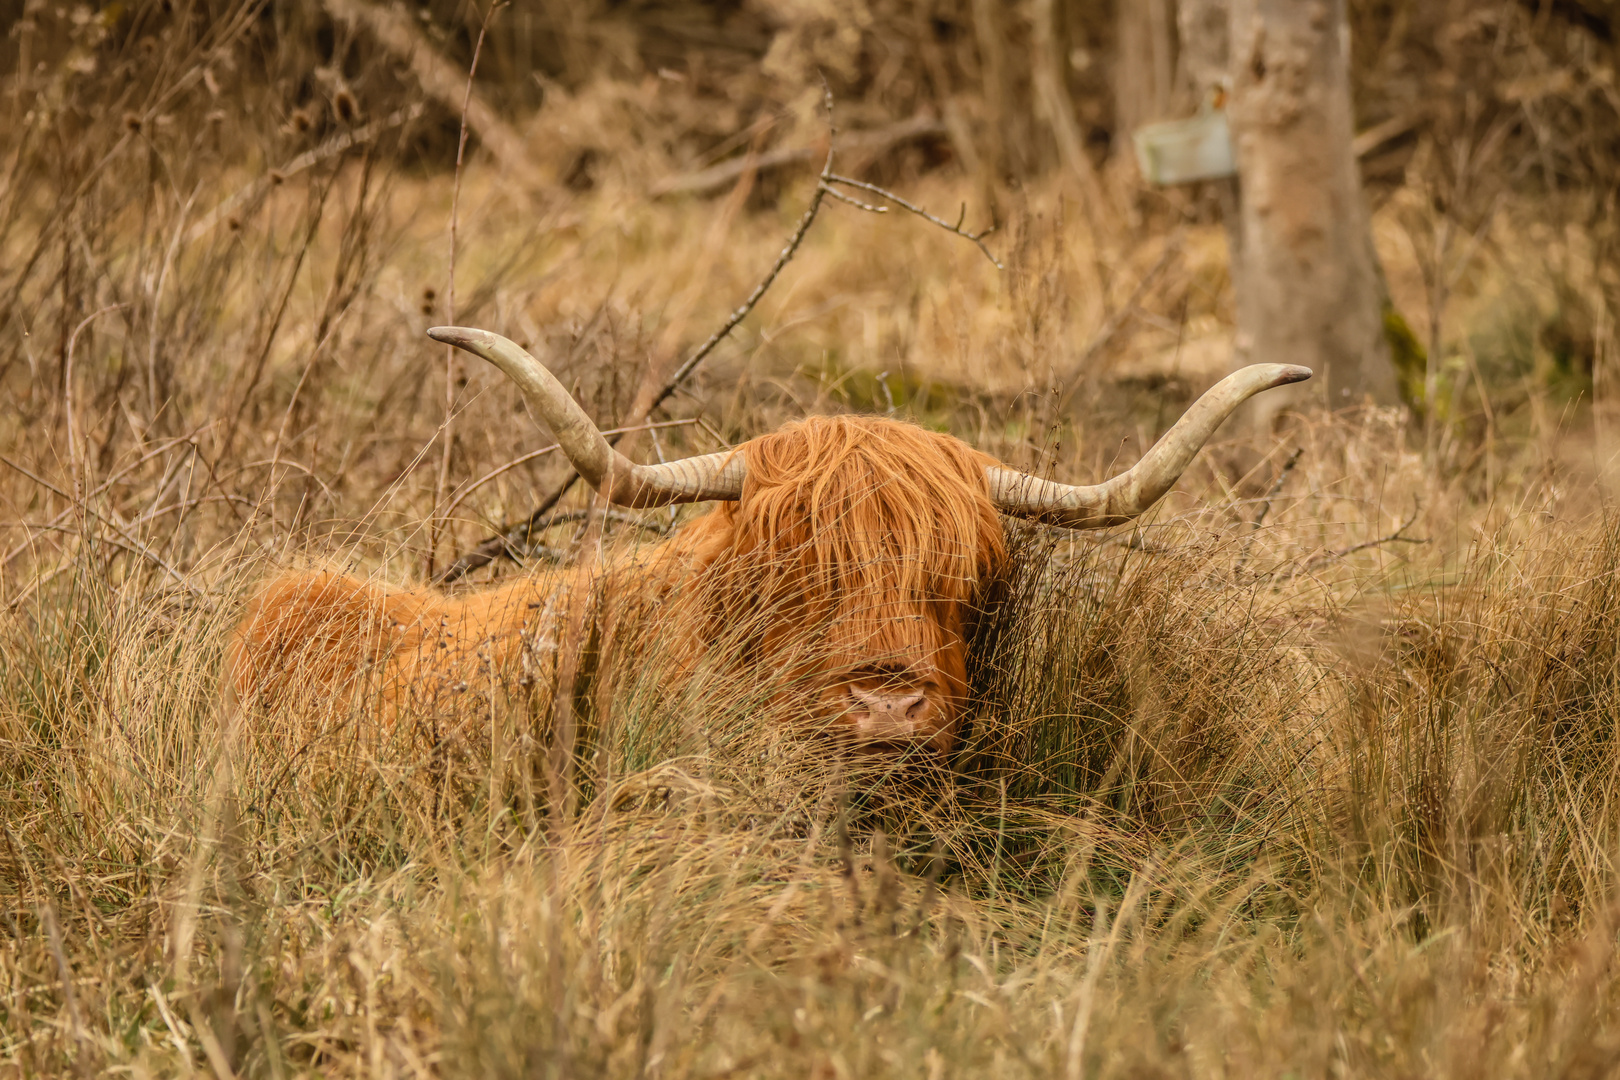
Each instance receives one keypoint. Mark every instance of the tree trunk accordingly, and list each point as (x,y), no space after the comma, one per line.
(1000,148)
(1144,65)
(1303,266)
(1053,105)
(1202,27)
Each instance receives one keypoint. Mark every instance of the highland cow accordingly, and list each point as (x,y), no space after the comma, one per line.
(847,552)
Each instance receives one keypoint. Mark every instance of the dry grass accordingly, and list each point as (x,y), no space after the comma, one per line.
(1296,799)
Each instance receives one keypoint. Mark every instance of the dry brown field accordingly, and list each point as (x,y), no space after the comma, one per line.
(1314,772)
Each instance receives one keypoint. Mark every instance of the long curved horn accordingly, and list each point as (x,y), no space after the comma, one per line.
(695,479)
(1117,501)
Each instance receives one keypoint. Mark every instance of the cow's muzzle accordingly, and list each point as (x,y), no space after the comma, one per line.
(900,718)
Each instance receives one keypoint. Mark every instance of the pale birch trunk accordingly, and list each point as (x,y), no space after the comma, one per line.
(1303,266)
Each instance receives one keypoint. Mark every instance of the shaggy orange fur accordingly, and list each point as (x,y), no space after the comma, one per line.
(854,556)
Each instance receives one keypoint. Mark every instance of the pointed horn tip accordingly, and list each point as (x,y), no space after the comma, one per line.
(1291,373)
(460,336)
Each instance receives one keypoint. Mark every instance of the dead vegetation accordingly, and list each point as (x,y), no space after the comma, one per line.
(1258,788)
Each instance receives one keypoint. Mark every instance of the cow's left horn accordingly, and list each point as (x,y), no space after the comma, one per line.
(1117,501)
(696,479)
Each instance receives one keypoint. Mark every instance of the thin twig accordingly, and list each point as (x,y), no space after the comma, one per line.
(1112,324)
(447,431)
(868,207)
(569,516)
(121,541)
(788,251)
(272,481)
(513,537)
(189,503)
(1265,507)
(450,510)
(129,542)
(1276,487)
(1395,537)
(240,22)
(68,404)
(587,520)
(884,193)
(17,552)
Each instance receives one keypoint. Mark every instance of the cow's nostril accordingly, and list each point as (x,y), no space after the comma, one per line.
(905,715)
(877,703)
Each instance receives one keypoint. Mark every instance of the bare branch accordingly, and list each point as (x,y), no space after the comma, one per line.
(1265,507)
(884,193)
(1397,537)
(788,251)
(532,455)
(447,431)
(1393,538)
(1276,487)
(868,207)
(514,538)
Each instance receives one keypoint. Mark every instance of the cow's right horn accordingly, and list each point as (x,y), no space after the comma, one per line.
(695,479)
(1127,495)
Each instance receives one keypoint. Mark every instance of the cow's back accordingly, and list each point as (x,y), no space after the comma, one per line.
(319,642)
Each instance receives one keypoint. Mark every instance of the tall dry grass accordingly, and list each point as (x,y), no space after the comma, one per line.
(1264,787)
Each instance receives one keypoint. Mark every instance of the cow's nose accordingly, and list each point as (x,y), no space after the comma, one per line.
(890,715)
(905,705)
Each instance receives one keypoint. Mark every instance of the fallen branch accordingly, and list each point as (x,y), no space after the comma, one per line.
(584,518)
(443,82)
(1396,537)
(1380,134)
(332,147)
(566,517)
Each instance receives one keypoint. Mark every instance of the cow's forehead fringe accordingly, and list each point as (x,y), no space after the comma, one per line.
(870,507)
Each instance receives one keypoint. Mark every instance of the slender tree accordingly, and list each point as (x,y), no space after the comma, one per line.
(1143,72)
(1304,270)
